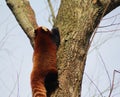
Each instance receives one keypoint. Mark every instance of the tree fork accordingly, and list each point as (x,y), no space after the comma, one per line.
(77,20)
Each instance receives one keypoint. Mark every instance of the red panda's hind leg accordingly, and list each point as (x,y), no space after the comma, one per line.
(51,82)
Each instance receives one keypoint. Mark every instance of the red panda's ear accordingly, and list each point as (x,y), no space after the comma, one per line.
(37,30)
(41,29)
(45,29)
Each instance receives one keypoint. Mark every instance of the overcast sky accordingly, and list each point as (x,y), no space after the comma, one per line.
(16,53)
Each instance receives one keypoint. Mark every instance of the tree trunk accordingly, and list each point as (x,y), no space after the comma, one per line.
(77,20)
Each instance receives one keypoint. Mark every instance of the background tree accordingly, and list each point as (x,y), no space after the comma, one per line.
(76,27)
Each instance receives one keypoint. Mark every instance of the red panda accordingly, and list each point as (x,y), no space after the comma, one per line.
(44,76)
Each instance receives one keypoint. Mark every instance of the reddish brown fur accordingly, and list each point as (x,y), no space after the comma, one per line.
(44,60)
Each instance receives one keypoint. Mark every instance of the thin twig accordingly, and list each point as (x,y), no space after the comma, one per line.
(108,31)
(104,67)
(109,25)
(94,84)
(111,89)
(52,10)
(111,17)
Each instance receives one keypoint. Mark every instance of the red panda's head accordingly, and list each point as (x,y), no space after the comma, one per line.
(42,29)
(44,40)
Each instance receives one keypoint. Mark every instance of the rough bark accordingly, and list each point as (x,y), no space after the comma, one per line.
(77,20)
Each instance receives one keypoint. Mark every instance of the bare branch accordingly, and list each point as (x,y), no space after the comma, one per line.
(52,10)
(94,84)
(112,87)
(104,66)
(108,31)
(111,17)
(24,15)
(109,25)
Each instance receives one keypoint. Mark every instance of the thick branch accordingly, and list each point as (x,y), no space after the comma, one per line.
(24,15)
(77,20)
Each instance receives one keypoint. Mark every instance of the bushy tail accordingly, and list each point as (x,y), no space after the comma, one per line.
(38,90)
(51,82)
